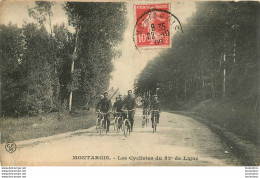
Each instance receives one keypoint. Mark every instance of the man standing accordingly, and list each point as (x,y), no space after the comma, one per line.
(105,106)
(155,105)
(130,105)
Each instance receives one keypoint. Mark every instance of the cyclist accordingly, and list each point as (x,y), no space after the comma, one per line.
(155,105)
(114,105)
(117,108)
(105,106)
(146,104)
(118,105)
(130,104)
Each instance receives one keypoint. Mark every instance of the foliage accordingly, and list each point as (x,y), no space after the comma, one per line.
(36,64)
(11,71)
(27,73)
(42,11)
(101,27)
(191,73)
(193,67)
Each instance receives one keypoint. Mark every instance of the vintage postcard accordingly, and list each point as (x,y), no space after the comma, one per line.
(129,83)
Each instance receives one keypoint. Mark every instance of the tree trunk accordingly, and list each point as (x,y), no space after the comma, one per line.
(56,84)
(224,76)
(70,99)
(176,91)
(185,89)
(235,51)
(72,65)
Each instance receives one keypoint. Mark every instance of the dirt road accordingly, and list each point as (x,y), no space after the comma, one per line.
(179,141)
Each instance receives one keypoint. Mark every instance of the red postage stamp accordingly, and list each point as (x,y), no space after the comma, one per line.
(152,26)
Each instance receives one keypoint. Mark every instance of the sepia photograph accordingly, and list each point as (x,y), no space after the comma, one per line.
(129,83)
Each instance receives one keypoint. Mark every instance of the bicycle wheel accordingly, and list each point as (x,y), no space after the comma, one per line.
(125,128)
(97,125)
(146,120)
(115,124)
(118,124)
(101,127)
(128,127)
(105,128)
(143,121)
(154,124)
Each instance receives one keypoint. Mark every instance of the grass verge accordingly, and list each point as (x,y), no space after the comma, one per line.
(237,117)
(246,151)
(24,128)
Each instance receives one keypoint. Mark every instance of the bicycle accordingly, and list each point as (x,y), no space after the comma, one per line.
(101,125)
(126,123)
(118,121)
(145,119)
(98,122)
(155,114)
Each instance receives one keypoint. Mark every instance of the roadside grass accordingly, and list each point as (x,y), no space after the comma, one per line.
(235,116)
(24,128)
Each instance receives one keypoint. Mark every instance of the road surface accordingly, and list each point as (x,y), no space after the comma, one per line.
(179,141)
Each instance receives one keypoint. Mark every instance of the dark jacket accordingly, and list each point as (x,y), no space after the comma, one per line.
(146,103)
(155,105)
(129,103)
(104,105)
(98,105)
(118,105)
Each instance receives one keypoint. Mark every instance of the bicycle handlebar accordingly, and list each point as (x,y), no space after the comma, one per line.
(128,110)
(103,112)
(155,110)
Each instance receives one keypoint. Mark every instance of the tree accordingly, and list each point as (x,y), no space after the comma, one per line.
(64,46)
(38,94)
(210,59)
(102,27)
(11,53)
(42,13)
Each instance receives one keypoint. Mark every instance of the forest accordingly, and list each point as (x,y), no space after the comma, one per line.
(212,67)
(44,71)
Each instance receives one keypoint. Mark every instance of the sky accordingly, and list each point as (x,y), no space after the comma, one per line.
(17,13)
(132,62)
(126,67)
